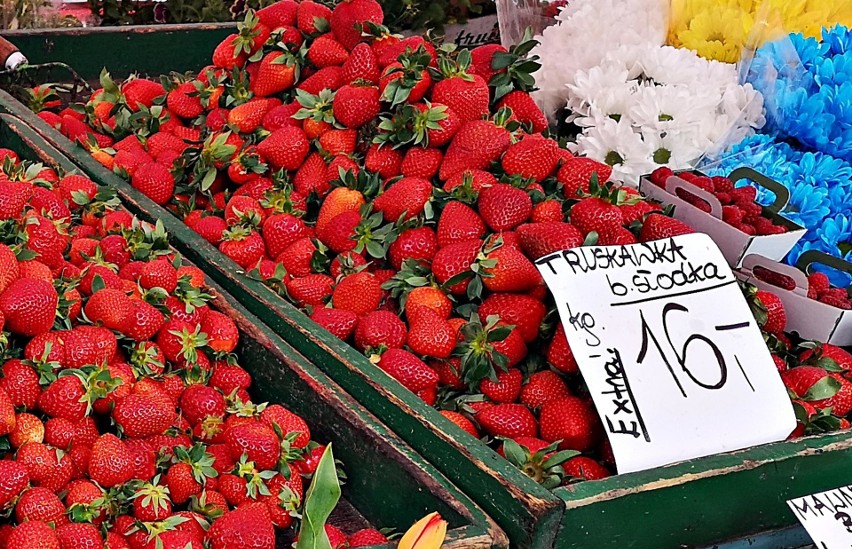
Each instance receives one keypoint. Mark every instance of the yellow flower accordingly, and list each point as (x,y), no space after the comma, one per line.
(718,32)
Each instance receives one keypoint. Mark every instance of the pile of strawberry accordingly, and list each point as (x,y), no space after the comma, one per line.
(739,208)
(399,192)
(818,376)
(125,420)
(819,287)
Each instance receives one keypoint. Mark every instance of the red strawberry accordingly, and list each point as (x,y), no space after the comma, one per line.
(361,64)
(380,328)
(337,321)
(585,468)
(576,174)
(454,259)
(541,239)
(419,244)
(140,416)
(542,388)
(559,354)
(508,420)
(572,421)
(249,524)
(366,538)
(280,14)
(349,17)
(801,379)
(29,306)
(534,157)
(285,148)
(327,52)
(658,226)
(481,58)
(466,94)
(407,197)
(409,370)
(513,272)
(476,145)
(155,181)
(282,419)
(184,101)
(504,207)
(360,293)
(313,17)
(437,114)
(422,163)
(110,463)
(776,317)
(431,335)
(255,439)
(384,161)
(32,534)
(523,312)
(355,105)
(526,111)
(458,222)
(505,389)
(14,479)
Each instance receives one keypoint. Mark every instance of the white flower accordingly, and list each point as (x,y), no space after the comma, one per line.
(616,144)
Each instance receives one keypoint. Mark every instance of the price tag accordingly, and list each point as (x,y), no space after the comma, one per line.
(669,349)
(827,517)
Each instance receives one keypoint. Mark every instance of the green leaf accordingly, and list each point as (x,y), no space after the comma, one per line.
(514,453)
(827,387)
(320,501)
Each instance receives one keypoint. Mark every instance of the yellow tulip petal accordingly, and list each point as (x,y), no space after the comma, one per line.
(427,533)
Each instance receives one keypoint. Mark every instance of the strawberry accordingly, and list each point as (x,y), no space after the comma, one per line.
(361,64)
(14,479)
(834,391)
(337,321)
(247,117)
(244,246)
(658,226)
(31,534)
(559,354)
(481,59)
(512,271)
(572,421)
(111,463)
(141,92)
(431,335)
(288,423)
(422,163)
(310,290)
(508,420)
(771,316)
(159,274)
(89,345)
(455,259)
(596,215)
(576,175)
(504,207)
(285,148)
(277,15)
(526,111)
(248,523)
(409,370)
(349,18)
(326,78)
(360,293)
(255,439)
(155,181)
(341,144)
(419,244)
(476,145)
(313,17)
(523,312)
(440,122)
(184,101)
(541,239)
(505,389)
(355,105)
(140,416)
(466,94)
(404,199)
(327,52)
(29,306)
(534,157)
(366,538)
(9,270)
(151,503)
(826,353)
(585,468)
(229,53)
(458,222)
(380,329)
(21,383)
(78,536)
(221,330)
(543,387)
(14,195)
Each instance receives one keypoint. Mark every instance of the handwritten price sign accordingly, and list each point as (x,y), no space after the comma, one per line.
(827,517)
(669,349)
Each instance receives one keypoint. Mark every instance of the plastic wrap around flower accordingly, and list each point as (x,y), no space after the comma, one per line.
(723,29)
(820,194)
(807,84)
(648,106)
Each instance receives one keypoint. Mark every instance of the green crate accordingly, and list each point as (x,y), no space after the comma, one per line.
(388,484)
(690,504)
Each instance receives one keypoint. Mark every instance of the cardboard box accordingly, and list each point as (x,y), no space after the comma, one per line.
(735,244)
(811,319)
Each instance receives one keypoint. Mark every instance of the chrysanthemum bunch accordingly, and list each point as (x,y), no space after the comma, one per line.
(648,106)
(585,31)
(721,29)
(820,194)
(808,88)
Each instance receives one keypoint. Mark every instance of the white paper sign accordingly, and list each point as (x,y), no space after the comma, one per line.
(669,349)
(827,517)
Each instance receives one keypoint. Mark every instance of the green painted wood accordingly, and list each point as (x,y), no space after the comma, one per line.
(150,49)
(528,513)
(690,504)
(388,483)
